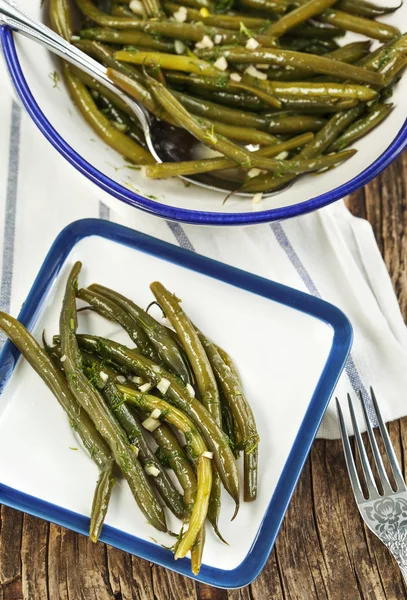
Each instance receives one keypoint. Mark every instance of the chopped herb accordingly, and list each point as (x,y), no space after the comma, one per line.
(54,76)
(244,30)
(72,448)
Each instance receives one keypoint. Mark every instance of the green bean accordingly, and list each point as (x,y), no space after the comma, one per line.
(323,139)
(133,429)
(205,379)
(247,135)
(101,89)
(372,29)
(238,405)
(267,6)
(203,133)
(168,61)
(317,31)
(105,55)
(120,119)
(157,334)
(204,469)
(392,69)
(316,64)
(299,15)
(232,99)
(178,461)
(153,8)
(374,117)
(60,18)
(348,54)
(231,116)
(307,89)
(126,36)
(101,500)
(217,20)
(113,311)
(197,551)
(180,397)
(163,170)
(362,8)
(315,105)
(379,59)
(94,14)
(101,125)
(136,90)
(250,467)
(78,418)
(91,401)
(263,183)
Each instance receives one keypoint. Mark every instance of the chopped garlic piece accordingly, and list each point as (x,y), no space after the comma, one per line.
(121,379)
(205,42)
(163,385)
(179,47)
(136,380)
(254,172)
(252,44)
(204,12)
(217,38)
(255,73)
(156,413)
(207,454)
(221,63)
(152,470)
(103,376)
(146,387)
(282,156)
(75,38)
(190,390)
(137,7)
(235,77)
(63,358)
(257,198)
(151,424)
(181,14)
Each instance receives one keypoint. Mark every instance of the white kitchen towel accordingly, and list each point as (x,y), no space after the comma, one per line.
(328,253)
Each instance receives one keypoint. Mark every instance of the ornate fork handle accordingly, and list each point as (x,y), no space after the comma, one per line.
(387,518)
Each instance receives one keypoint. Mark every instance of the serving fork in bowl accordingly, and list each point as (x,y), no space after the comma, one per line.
(382,507)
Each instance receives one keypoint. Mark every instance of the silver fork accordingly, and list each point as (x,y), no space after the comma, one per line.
(384,513)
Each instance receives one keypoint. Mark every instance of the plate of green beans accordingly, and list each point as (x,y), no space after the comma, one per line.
(154,407)
(295,103)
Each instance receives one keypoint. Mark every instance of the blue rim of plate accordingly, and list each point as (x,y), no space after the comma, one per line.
(179,214)
(319,309)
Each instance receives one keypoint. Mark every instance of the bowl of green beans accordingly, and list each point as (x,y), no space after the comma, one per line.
(298,102)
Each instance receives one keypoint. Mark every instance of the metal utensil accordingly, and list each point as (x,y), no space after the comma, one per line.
(165,142)
(384,512)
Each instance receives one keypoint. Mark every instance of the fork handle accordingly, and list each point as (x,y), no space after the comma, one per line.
(17,19)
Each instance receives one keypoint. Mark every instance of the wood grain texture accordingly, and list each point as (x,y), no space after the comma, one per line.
(323,551)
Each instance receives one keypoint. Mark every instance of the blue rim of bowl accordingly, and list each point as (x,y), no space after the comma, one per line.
(180,214)
(264,540)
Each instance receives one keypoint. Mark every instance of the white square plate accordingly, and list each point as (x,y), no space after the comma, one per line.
(290,349)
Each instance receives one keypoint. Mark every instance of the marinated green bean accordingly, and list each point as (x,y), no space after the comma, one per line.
(197,445)
(333,90)
(163,170)
(267,6)
(105,20)
(113,311)
(204,377)
(60,18)
(124,36)
(136,90)
(105,55)
(316,64)
(164,344)
(323,139)
(168,61)
(372,29)
(91,401)
(133,429)
(217,20)
(362,8)
(247,135)
(374,117)
(101,125)
(299,15)
(180,397)
(78,418)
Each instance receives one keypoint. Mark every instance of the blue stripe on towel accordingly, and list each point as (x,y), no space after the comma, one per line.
(180,236)
(104,211)
(10,212)
(299,266)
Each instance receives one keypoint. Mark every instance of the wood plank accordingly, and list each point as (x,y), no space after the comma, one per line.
(11,526)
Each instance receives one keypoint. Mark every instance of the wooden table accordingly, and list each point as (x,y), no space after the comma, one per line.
(323,550)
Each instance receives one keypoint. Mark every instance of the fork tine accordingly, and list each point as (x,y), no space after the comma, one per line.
(367,471)
(350,463)
(387,489)
(394,463)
